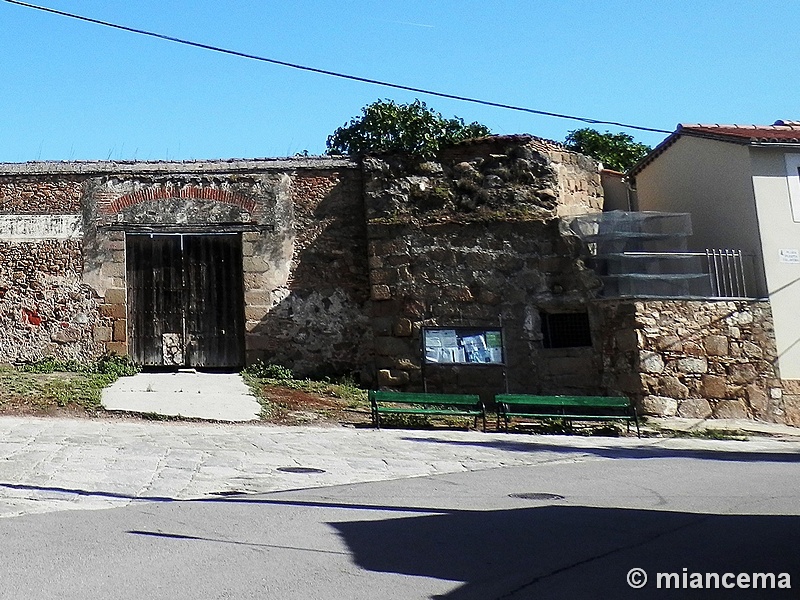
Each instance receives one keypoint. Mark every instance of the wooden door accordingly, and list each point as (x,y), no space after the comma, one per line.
(185,300)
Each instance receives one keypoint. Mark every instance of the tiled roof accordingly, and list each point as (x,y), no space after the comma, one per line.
(780,132)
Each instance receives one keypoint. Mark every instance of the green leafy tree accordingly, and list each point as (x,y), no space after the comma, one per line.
(386,127)
(618,151)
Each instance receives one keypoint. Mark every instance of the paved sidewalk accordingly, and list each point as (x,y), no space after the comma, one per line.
(210,396)
(51,464)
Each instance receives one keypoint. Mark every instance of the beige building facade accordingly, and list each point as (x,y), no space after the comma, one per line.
(741,186)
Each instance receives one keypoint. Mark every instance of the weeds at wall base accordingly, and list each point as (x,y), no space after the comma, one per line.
(50,383)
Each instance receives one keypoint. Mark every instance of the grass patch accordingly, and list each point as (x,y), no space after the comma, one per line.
(49,383)
(710,434)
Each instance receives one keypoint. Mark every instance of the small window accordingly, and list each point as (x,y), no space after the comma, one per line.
(566,330)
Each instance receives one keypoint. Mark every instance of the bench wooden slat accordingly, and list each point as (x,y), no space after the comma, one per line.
(424,398)
(568,408)
(600,401)
(466,405)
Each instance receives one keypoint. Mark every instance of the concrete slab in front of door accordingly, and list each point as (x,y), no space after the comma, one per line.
(211,396)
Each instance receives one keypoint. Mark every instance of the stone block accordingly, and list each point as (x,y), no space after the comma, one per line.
(257,298)
(383,276)
(402,328)
(255,313)
(693,349)
(740,318)
(380,292)
(114,311)
(742,373)
(730,409)
(255,264)
(630,383)
(659,406)
(694,408)
(385,308)
(751,350)
(258,341)
(387,247)
(713,386)
(120,348)
(692,365)
(406,364)
(391,346)
(626,340)
(673,388)
(113,269)
(459,293)
(121,330)
(392,378)
(115,296)
(487,297)
(791,408)
(102,334)
(651,362)
(716,345)
(758,399)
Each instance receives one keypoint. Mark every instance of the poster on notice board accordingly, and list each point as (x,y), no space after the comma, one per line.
(463,346)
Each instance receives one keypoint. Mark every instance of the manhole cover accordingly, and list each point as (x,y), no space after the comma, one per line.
(536,496)
(300,470)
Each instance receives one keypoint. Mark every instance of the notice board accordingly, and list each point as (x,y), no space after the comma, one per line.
(463,346)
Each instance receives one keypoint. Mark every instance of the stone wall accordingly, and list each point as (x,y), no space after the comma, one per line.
(696,359)
(45,310)
(37,194)
(45,307)
(64,293)
(474,240)
(309,311)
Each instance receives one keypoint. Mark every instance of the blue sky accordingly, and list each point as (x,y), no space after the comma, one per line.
(78,91)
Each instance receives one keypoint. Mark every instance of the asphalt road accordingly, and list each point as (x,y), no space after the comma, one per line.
(459,536)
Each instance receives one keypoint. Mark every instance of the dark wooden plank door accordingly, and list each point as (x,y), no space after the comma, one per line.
(185,300)
(214,298)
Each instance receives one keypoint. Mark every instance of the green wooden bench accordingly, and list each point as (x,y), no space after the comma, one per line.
(567,408)
(442,405)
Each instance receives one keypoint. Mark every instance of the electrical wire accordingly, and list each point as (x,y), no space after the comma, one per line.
(273,61)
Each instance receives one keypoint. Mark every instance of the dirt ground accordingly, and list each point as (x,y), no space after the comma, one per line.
(286,407)
(295,407)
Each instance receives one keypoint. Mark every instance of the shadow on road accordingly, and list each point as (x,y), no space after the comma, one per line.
(639,452)
(542,551)
(575,552)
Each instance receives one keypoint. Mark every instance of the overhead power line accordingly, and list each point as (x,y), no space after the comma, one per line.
(282,63)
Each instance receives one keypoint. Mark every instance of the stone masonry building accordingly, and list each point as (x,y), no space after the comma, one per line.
(329,265)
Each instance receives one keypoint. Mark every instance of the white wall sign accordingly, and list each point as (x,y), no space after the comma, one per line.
(789,255)
(40,227)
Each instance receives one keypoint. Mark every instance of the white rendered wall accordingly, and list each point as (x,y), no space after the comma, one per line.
(712,181)
(780,239)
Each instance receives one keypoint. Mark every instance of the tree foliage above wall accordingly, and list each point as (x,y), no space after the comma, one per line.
(414,129)
(618,151)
